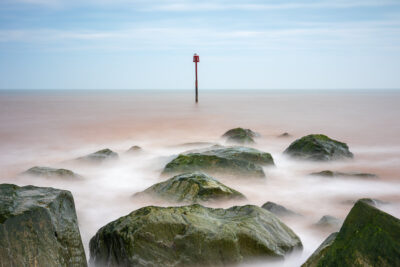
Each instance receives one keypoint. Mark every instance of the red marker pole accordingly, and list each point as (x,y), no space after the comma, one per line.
(196,59)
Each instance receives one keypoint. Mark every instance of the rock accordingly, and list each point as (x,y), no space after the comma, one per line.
(134,149)
(47,172)
(321,250)
(318,147)
(192,187)
(197,144)
(328,173)
(192,235)
(329,221)
(240,135)
(278,209)
(39,227)
(240,161)
(371,201)
(99,156)
(368,237)
(284,135)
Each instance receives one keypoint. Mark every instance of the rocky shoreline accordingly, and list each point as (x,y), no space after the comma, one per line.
(39,226)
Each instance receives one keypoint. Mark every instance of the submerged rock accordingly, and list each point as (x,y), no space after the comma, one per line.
(192,187)
(328,173)
(39,227)
(192,235)
(134,149)
(47,172)
(284,135)
(218,159)
(240,135)
(318,147)
(368,237)
(329,221)
(99,156)
(371,201)
(278,209)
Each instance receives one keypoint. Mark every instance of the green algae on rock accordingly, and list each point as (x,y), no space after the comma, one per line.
(39,227)
(321,250)
(318,147)
(192,235)
(48,172)
(218,159)
(99,156)
(192,188)
(368,237)
(240,135)
(278,210)
(329,173)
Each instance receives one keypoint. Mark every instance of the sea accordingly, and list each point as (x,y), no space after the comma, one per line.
(53,127)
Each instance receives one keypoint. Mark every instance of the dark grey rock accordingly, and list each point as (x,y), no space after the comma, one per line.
(39,227)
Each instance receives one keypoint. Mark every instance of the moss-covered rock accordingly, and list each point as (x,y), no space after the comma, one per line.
(318,147)
(368,237)
(99,156)
(47,172)
(39,227)
(192,235)
(331,174)
(278,210)
(240,135)
(321,250)
(192,188)
(241,161)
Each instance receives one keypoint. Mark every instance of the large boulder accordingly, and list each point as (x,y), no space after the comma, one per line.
(318,147)
(368,237)
(241,161)
(192,188)
(48,172)
(321,250)
(192,235)
(277,209)
(240,135)
(39,227)
(99,156)
(332,174)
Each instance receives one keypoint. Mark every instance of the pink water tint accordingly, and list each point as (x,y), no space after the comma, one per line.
(48,128)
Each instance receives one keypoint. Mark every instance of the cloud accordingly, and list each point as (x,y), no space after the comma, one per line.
(211,5)
(307,36)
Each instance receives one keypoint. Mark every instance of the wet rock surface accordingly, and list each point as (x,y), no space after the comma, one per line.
(278,210)
(240,136)
(328,173)
(99,156)
(239,161)
(192,188)
(192,235)
(368,237)
(318,147)
(39,227)
(48,172)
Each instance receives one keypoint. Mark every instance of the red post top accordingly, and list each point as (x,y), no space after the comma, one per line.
(196,58)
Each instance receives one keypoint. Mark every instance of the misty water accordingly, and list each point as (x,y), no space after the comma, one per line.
(49,128)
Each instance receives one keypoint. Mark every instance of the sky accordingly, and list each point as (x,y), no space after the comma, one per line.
(243,44)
